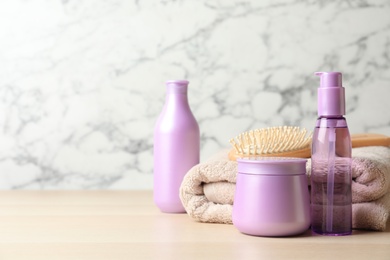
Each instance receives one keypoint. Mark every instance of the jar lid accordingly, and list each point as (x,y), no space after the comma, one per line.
(272,165)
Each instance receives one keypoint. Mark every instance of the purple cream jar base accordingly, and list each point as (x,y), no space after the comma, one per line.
(272,197)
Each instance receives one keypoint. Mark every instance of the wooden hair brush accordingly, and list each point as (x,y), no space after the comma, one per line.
(288,141)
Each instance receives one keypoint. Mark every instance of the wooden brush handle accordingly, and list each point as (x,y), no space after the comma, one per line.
(362,140)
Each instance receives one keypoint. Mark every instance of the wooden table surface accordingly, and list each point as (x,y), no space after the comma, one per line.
(127,225)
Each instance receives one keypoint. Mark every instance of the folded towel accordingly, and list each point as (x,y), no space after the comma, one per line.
(207,190)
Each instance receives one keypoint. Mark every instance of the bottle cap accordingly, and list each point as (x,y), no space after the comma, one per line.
(331,94)
(177,86)
(180,82)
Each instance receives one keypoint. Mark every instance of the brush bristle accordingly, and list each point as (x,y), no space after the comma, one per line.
(271,140)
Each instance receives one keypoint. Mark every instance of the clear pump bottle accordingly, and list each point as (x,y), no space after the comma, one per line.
(176,147)
(331,178)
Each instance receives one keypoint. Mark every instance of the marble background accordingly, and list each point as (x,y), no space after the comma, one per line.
(82,82)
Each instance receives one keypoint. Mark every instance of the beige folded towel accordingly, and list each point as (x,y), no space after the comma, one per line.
(207,191)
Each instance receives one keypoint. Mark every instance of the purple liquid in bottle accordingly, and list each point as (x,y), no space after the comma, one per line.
(331,178)
(331,211)
(176,147)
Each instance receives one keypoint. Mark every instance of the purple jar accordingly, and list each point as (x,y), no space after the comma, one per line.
(271,197)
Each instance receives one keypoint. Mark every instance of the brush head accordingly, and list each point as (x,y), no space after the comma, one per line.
(283,141)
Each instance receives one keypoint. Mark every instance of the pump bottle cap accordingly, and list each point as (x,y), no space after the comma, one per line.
(331,94)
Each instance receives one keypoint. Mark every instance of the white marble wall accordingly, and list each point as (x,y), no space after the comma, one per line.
(82,82)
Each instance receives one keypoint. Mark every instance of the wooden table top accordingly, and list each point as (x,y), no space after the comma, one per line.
(126,225)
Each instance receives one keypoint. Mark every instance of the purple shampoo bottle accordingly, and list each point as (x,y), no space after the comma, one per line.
(331,178)
(176,147)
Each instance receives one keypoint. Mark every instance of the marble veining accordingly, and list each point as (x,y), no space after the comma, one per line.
(82,82)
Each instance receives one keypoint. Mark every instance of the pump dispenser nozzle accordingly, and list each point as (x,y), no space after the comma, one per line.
(331,94)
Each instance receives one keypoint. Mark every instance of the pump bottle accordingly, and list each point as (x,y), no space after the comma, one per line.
(176,147)
(331,178)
